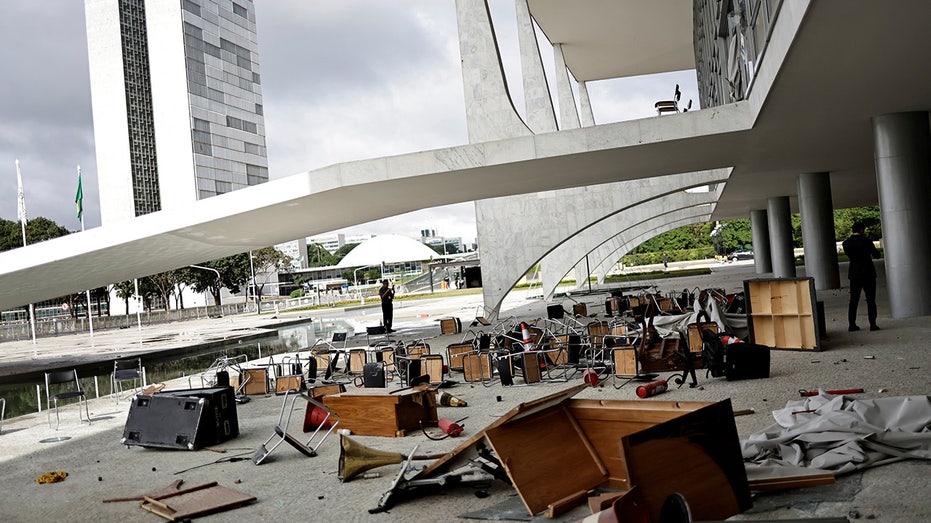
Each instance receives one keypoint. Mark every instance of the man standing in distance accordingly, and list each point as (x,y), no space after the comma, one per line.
(387,306)
(862,275)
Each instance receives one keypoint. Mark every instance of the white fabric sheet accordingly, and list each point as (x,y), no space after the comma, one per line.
(841,435)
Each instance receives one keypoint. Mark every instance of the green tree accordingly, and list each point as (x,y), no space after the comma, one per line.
(845,218)
(37,230)
(450,248)
(266,262)
(317,256)
(164,284)
(125,290)
(234,272)
(343,251)
(734,234)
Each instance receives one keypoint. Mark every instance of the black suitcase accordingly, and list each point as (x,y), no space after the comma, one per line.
(746,361)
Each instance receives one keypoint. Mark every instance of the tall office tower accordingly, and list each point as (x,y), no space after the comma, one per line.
(177,102)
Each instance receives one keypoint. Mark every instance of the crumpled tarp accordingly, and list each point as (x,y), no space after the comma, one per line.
(734,323)
(841,435)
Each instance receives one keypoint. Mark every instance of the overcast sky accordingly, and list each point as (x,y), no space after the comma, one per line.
(341,80)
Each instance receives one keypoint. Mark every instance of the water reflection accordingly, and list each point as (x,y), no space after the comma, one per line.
(22,392)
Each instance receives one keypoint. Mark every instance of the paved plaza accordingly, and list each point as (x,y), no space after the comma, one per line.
(890,362)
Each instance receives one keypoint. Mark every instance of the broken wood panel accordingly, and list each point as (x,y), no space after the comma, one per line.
(546,457)
(466,449)
(696,454)
(196,501)
(787,482)
(605,422)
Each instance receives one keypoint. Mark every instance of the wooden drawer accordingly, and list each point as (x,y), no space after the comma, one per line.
(374,412)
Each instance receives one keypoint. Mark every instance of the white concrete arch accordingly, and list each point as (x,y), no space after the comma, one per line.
(513,237)
(608,260)
(562,260)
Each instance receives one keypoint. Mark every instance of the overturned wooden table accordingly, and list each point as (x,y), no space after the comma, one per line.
(378,412)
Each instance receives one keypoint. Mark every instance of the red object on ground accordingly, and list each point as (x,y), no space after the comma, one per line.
(652,389)
(806,393)
(590,376)
(450,427)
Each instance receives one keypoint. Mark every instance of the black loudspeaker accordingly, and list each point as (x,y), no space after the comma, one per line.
(473,277)
(182,419)
(373,375)
(555,312)
(746,361)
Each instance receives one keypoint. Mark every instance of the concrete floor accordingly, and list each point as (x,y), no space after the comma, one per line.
(289,485)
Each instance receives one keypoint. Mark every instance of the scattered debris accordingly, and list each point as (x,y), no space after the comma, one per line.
(52,477)
(173,487)
(808,393)
(196,501)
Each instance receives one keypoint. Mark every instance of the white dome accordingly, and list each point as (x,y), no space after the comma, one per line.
(387,248)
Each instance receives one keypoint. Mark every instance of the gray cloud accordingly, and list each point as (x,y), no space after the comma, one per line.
(341,81)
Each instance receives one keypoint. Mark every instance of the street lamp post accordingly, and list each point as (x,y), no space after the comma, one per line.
(255,295)
(355,278)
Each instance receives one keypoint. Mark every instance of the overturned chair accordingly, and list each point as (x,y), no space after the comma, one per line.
(316,415)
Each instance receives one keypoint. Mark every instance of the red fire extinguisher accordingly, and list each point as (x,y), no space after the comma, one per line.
(652,389)
(450,427)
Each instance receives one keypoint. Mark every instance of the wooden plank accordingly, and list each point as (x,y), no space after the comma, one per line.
(794,481)
(566,504)
(599,502)
(533,449)
(196,501)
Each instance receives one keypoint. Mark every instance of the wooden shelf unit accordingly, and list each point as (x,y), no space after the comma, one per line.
(782,313)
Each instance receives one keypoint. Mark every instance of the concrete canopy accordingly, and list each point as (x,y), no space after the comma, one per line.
(386,248)
(616,38)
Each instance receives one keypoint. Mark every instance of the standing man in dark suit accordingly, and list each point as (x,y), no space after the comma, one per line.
(387,306)
(862,275)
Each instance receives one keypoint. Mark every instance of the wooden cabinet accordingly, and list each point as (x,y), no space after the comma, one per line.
(782,313)
(374,412)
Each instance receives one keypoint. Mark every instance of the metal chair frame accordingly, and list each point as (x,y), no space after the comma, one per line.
(64,378)
(327,352)
(122,374)
(208,377)
(308,449)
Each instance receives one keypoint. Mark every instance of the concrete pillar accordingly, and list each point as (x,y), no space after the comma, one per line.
(759,227)
(541,117)
(902,152)
(568,115)
(779,218)
(490,113)
(817,210)
(585,106)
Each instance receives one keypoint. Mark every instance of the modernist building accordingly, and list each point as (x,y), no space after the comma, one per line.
(177,102)
(805,106)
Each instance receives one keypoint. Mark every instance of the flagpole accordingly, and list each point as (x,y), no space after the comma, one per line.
(79,201)
(21,212)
